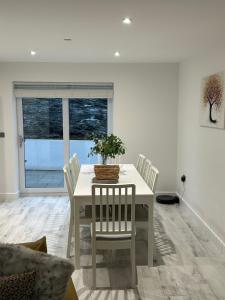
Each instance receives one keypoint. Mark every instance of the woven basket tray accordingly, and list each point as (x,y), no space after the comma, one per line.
(106,172)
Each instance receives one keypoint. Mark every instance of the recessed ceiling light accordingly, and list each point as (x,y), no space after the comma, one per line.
(33,53)
(127,20)
(67,39)
(117,54)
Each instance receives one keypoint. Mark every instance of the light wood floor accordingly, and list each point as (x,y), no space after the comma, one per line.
(190,265)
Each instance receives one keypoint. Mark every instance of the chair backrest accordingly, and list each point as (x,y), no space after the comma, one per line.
(76,163)
(73,173)
(146,169)
(74,167)
(112,203)
(114,161)
(140,163)
(152,178)
(69,184)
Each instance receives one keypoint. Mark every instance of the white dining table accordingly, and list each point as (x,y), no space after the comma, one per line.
(83,196)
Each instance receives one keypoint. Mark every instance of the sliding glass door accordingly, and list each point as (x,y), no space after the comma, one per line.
(50,130)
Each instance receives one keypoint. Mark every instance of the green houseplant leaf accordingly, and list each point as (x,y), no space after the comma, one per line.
(107,146)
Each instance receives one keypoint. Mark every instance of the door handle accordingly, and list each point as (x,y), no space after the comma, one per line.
(21,140)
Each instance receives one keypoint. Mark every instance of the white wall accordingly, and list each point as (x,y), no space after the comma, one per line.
(144,110)
(201,150)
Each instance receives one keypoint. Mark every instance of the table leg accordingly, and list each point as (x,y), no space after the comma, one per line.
(77,235)
(150,234)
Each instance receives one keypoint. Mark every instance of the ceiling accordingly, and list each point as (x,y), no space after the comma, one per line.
(161,31)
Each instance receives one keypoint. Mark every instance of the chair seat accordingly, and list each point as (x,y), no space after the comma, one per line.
(112,236)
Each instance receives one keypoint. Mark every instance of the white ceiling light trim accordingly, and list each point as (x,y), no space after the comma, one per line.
(127,21)
(33,53)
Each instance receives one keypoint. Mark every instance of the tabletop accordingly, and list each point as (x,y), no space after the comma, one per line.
(128,174)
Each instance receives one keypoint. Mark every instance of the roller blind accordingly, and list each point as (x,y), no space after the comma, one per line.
(63,90)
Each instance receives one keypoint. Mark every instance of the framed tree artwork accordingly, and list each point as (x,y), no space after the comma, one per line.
(212,101)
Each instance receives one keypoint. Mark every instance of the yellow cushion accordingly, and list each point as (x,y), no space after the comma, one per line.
(71,293)
(41,245)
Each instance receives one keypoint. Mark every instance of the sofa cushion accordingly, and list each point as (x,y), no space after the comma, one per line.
(71,293)
(41,245)
(52,273)
(17,286)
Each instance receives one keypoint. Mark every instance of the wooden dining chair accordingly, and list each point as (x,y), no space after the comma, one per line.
(146,169)
(142,210)
(70,189)
(115,230)
(140,163)
(114,161)
(152,178)
(74,166)
(85,212)
(72,173)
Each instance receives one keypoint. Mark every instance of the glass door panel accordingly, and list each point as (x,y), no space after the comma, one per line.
(43,142)
(86,117)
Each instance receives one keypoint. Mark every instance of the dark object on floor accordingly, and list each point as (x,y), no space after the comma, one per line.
(167,199)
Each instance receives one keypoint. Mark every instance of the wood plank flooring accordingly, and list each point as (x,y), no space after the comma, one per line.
(189,264)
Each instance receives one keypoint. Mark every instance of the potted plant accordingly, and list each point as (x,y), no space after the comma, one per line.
(108,146)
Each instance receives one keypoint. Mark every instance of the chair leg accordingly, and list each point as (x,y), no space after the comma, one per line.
(133,264)
(69,237)
(93,264)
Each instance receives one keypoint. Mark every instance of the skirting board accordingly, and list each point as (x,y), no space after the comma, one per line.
(9,196)
(220,243)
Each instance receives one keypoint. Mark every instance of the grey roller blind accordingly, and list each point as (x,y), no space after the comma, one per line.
(63,90)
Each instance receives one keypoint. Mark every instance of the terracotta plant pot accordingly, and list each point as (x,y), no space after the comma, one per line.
(107,172)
